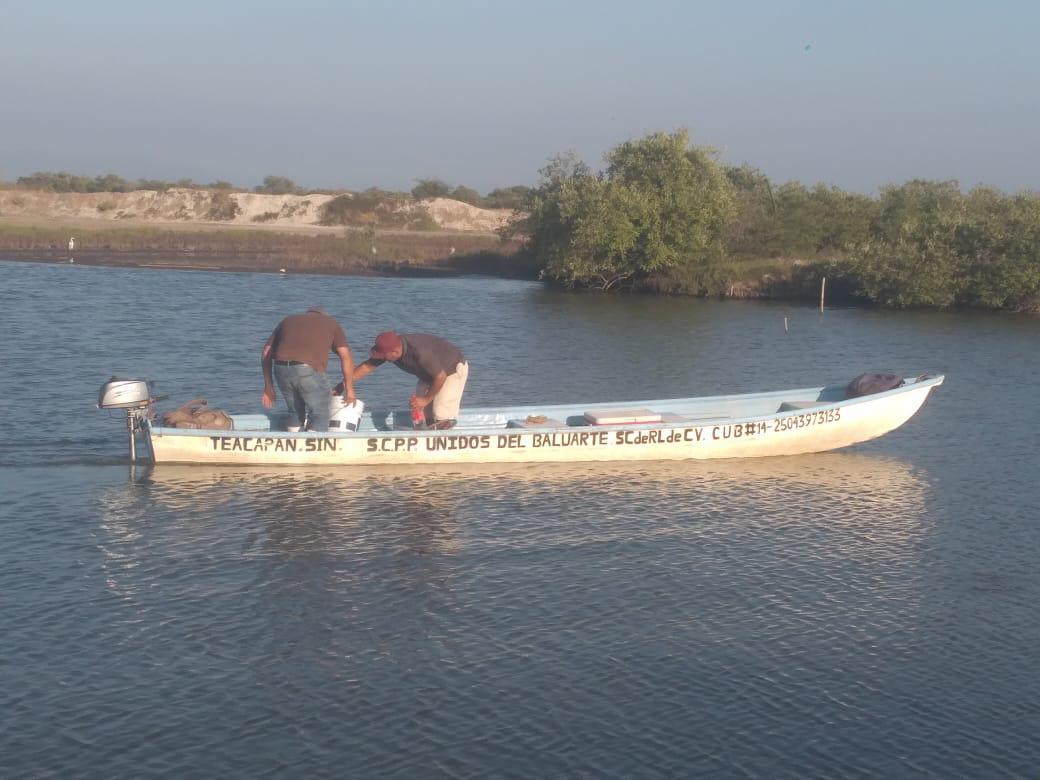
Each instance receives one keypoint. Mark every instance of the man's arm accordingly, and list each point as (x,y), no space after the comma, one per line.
(346,387)
(268,395)
(366,368)
(422,401)
(361,370)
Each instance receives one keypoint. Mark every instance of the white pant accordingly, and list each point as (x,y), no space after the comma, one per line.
(448,399)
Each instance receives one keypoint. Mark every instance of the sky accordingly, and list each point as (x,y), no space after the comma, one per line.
(482,94)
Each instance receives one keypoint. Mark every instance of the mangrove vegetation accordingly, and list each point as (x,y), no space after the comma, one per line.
(666,216)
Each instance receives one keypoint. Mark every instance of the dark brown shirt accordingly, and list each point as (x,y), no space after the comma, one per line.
(307,338)
(425,356)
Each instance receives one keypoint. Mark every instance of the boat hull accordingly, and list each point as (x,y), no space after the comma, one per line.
(815,426)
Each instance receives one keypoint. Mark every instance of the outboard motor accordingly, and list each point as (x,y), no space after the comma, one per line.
(119,393)
(133,395)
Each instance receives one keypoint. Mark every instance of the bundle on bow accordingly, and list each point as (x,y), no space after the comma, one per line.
(196,414)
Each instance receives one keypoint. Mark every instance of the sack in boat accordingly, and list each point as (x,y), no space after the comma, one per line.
(196,414)
(868,384)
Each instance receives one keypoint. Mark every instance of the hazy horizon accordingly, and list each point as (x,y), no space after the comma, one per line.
(351,95)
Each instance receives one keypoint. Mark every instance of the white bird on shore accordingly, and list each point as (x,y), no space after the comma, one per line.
(282,271)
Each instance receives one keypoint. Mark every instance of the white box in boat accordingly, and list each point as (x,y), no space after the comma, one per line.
(124,394)
(622,417)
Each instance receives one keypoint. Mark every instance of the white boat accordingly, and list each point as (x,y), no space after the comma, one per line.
(788,422)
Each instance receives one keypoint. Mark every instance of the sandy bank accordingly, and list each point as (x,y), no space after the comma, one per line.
(199,208)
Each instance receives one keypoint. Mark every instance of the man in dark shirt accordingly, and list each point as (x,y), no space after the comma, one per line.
(297,354)
(438,364)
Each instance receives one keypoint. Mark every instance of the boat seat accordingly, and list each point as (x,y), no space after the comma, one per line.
(794,406)
(250,422)
(536,423)
(622,417)
(672,417)
(579,420)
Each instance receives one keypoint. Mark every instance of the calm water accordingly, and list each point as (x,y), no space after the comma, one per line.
(874,612)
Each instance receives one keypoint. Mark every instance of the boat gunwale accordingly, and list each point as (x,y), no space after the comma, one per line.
(923,381)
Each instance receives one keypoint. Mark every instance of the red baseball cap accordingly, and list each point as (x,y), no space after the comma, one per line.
(386,342)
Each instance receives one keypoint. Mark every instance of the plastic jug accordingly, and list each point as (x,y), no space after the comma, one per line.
(418,418)
(344,416)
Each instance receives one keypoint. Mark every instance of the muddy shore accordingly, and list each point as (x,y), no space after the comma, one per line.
(485,264)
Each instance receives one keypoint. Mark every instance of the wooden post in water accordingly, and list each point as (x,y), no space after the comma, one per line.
(823,291)
(785,325)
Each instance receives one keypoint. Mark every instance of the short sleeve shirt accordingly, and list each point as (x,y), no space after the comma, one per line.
(425,356)
(307,338)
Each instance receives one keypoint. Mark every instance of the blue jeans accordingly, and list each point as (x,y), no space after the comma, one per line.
(306,393)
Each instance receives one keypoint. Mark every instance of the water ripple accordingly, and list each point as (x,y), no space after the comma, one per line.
(867,613)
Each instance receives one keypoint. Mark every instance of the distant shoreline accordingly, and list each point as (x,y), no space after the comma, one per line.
(239,263)
(393,253)
(349,252)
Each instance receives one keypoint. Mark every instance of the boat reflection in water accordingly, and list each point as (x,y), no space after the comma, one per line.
(351,567)
(878,500)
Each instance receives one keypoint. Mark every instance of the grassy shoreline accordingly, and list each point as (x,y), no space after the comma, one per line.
(354,252)
(398,253)
(214,247)
(482,265)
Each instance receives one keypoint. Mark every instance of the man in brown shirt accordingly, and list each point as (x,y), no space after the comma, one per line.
(296,356)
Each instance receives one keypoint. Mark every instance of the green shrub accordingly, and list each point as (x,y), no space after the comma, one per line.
(792,220)
(67,182)
(158,185)
(361,241)
(933,246)
(466,195)
(279,185)
(291,209)
(421,219)
(507,198)
(223,207)
(431,188)
(364,209)
(660,204)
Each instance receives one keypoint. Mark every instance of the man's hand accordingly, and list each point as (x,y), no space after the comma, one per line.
(267,397)
(422,401)
(348,395)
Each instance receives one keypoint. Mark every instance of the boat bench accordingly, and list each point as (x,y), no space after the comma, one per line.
(672,417)
(251,422)
(547,422)
(641,417)
(624,417)
(794,406)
